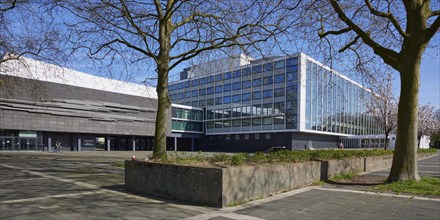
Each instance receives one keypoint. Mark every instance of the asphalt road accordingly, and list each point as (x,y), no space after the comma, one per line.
(76,186)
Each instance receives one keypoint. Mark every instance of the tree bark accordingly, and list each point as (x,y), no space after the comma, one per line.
(163,68)
(386,140)
(404,165)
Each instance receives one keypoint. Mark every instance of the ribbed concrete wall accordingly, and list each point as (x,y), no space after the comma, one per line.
(43,106)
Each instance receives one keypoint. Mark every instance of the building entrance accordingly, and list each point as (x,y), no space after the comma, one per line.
(15,143)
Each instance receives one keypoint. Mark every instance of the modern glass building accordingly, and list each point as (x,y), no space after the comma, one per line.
(292,101)
(232,104)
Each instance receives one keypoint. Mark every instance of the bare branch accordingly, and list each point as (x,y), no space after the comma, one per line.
(389,56)
(430,32)
(389,16)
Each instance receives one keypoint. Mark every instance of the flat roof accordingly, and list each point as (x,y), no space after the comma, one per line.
(29,68)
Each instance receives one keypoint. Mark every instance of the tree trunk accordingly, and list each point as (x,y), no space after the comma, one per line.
(163,105)
(163,100)
(404,165)
(386,140)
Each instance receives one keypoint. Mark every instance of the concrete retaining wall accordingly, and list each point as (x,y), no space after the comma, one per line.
(220,187)
(198,185)
(246,183)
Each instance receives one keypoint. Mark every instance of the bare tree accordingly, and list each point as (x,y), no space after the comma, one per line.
(169,33)
(428,124)
(398,32)
(383,108)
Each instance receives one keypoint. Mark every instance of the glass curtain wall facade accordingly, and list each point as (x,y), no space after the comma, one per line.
(262,96)
(186,120)
(335,104)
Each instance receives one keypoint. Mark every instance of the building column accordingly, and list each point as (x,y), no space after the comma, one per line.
(49,144)
(79,142)
(134,144)
(175,143)
(108,143)
(192,144)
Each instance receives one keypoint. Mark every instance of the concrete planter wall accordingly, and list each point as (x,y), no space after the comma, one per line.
(220,187)
(246,183)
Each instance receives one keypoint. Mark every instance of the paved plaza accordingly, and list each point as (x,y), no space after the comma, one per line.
(81,185)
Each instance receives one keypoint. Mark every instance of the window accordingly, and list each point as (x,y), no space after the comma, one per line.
(278,107)
(236,98)
(236,112)
(202,81)
(236,123)
(292,61)
(257,136)
(202,103)
(218,124)
(210,124)
(268,80)
(256,82)
(256,69)
(267,136)
(267,109)
(256,109)
(210,90)
(278,120)
(246,136)
(210,114)
(210,102)
(202,92)
(181,95)
(267,94)
(291,92)
(218,89)
(227,124)
(218,77)
(227,112)
(246,71)
(236,86)
(227,87)
(256,95)
(292,69)
(186,84)
(180,85)
(246,122)
(227,75)
(267,67)
(195,82)
(279,78)
(218,113)
(237,137)
(195,103)
(246,97)
(279,64)
(210,79)
(246,84)
(237,74)
(218,101)
(227,99)
(246,110)
(194,93)
(188,94)
(267,121)
(279,92)
(256,122)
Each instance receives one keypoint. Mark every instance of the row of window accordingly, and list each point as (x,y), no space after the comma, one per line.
(234,98)
(279,120)
(187,126)
(190,114)
(243,111)
(289,64)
